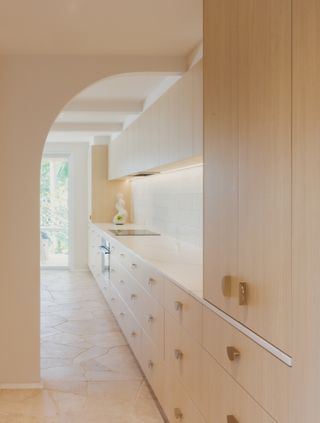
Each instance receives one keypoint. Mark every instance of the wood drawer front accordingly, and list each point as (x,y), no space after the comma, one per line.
(133,333)
(185,309)
(153,366)
(221,396)
(261,374)
(183,357)
(129,326)
(146,310)
(177,400)
(151,280)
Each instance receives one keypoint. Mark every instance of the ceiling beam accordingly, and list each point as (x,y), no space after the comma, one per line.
(87,127)
(107,106)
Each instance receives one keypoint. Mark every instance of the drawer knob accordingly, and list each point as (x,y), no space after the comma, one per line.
(226,286)
(133,297)
(178,305)
(243,293)
(112,299)
(122,281)
(112,270)
(178,413)
(232,419)
(133,266)
(122,254)
(150,364)
(233,353)
(150,319)
(133,334)
(121,314)
(151,281)
(178,354)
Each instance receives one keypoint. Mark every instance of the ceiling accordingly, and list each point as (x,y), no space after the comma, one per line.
(102,111)
(157,27)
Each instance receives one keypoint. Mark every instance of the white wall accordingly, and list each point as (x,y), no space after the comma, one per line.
(171,203)
(78,200)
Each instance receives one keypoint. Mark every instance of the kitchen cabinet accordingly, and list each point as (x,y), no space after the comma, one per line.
(247,142)
(182,345)
(169,131)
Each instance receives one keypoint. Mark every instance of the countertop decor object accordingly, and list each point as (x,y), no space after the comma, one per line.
(122,215)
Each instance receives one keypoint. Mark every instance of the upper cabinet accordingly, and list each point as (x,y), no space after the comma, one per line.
(247,132)
(169,131)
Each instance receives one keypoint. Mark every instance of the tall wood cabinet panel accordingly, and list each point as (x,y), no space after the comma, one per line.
(306,211)
(248,163)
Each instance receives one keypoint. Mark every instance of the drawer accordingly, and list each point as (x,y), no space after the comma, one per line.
(183,357)
(184,308)
(129,326)
(153,366)
(177,405)
(151,280)
(223,400)
(259,372)
(146,310)
(133,333)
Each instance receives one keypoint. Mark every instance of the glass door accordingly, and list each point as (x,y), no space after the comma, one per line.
(54,211)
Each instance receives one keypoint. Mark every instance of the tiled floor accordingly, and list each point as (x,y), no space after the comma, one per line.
(89,373)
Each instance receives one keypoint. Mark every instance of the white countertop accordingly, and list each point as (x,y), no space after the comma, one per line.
(179,261)
(182,263)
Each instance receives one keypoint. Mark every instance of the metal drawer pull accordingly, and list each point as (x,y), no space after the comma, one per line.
(122,281)
(151,281)
(121,314)
(133,266)
(150,319)
(226,286)
(178,413)
(133,334)
(233,353)
(122,254)
(232,419)
(243,293)
(112,299)
(178,354)
(178,305)
(150,364)
(133,297)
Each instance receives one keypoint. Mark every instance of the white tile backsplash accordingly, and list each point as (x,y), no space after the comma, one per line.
(171,203)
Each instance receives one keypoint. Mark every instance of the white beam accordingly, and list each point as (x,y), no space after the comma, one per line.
(86,127)
(119,106)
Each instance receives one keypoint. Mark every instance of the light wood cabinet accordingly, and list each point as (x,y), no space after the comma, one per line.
(261,374)
(247,115)
(170,131)
(222,397)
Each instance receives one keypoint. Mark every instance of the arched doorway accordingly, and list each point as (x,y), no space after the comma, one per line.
(34,90)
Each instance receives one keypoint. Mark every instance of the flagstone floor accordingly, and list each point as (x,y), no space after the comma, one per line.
(88,371)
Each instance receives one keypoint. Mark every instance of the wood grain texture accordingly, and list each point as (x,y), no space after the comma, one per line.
(247,90)
(306,211)
(261,374)
(103,191)
(222,396)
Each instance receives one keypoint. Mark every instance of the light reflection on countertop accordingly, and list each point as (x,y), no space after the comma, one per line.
(179,261)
